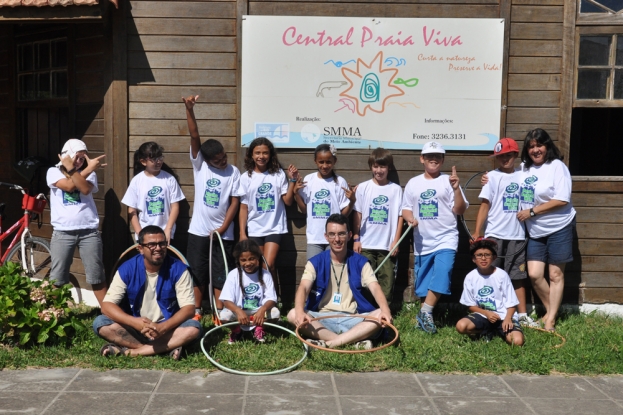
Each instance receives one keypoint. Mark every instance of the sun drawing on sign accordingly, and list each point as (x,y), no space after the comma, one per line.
(370,86)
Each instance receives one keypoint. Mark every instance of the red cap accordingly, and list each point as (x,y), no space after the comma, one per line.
(505,145)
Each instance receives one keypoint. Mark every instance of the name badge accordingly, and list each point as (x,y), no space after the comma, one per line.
(337,298)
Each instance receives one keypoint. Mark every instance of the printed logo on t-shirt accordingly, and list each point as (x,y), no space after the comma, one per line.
(251,301)
(428,205)
(526,193)
(71,198)
(265,199)
(379,210)
(510,198)
(154,205)
(212,195)
(484,301)
(321,204)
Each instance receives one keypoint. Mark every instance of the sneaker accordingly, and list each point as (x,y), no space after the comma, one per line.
(258,334)
(363,345)
(527,321)
(235,335)
(318,343)
(426,323)
(197,317)
(487,335)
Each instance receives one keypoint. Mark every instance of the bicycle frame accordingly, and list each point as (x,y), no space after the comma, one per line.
(21,227)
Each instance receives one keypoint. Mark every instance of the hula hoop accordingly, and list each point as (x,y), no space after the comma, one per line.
(394,248)
(215,316)
(239,372)
(552,333)
(471,238)
(134,248)
(374,349)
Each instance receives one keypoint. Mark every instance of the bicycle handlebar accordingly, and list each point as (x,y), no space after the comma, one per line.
(12,186)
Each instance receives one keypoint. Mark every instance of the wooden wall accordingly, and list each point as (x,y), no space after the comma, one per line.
(179,49)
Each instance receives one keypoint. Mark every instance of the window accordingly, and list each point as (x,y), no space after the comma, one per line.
(601,6)
(42,70)
(600,67)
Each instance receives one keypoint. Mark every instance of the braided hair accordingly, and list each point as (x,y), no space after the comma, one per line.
(330,149)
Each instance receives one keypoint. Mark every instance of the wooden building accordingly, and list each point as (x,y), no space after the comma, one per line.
(114,77)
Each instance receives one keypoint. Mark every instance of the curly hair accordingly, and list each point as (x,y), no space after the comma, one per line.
(484,243)
(273,162)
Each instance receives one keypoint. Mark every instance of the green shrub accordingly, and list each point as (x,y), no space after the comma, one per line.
(32,310)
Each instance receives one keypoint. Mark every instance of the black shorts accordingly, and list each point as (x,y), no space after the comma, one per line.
(482,323)
(261,240)
(198,256)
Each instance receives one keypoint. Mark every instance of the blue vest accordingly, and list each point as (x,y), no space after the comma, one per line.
(134,275)
(322,265)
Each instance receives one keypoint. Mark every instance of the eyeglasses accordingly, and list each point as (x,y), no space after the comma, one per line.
(483,256)
(157,159)
(341,235)
(433,156)
(153,245)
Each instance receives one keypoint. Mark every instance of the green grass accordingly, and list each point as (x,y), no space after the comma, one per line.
(594,346)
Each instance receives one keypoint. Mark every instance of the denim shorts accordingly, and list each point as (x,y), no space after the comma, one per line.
(556,248)
(434,272)
(62,249)
(340,325)
(102,321)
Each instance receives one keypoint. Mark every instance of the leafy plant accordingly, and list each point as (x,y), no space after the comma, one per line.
(33,311)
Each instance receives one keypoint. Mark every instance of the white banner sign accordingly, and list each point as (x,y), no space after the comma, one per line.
(372,82)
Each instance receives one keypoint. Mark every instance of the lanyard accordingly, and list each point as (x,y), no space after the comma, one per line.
(335,275)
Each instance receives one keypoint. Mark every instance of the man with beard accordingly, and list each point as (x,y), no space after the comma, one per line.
(333,283)
(149,306)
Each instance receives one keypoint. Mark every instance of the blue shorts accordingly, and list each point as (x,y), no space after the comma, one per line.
(102,320)
(434,272)
(556,248)
(340,325)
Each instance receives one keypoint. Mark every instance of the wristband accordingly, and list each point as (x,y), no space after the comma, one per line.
(293,180)
(356,239)
(70,172)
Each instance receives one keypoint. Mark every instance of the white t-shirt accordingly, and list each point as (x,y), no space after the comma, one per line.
(323,198)
(490,292)
(71,210)
(502,192)
(149,307)
(380,210)
(540,185)
(431,202)
(254,296)
(152,197)
(262,194)
(213,191)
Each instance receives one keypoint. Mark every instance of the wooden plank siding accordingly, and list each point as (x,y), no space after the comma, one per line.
(179,49)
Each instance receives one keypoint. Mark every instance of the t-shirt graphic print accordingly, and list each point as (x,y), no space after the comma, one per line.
(321,204)
(510,198)
(428,205)
(212,194)
(265,198)
(528,190)
(154,202)
(379,210)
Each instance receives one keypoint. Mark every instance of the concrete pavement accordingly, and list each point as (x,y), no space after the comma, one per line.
(83,391)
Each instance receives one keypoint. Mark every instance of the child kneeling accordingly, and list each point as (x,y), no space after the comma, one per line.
(489,294)
(248,295)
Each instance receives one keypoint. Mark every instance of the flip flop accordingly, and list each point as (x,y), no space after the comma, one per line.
(176,354)
(113,350)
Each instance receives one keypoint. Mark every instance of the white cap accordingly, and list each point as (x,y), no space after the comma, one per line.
(71,147)
(433,147)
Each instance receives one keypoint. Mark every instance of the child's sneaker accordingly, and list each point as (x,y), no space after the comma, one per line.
(363,345)
(235,335)
(425,322)
(258,334)
(527,321)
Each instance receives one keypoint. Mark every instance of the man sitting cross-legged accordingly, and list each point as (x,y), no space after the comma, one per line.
(149,306)
(333,283)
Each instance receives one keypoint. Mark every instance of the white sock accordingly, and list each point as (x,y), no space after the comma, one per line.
(522,315)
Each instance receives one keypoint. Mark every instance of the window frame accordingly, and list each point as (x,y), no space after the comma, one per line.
(605,18)
(35,71)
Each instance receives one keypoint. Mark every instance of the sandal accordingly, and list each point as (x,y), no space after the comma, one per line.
(111,349)
(176,354)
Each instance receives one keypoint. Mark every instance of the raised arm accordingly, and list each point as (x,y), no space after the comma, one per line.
(193,130)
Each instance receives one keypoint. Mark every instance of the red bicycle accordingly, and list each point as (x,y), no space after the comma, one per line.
(32,253)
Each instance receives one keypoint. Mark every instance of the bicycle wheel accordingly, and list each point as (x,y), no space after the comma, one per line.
(38,257)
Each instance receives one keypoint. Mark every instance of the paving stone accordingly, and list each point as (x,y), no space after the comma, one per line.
(96,403)
(567,405)
(205,403)
(464,385)
(493,405)
(546,386)
(36,380)
(302,404)
(25,402)
(297,383)
(378,405)
(610,385)
(201,382)
(378,384)
(116,381)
